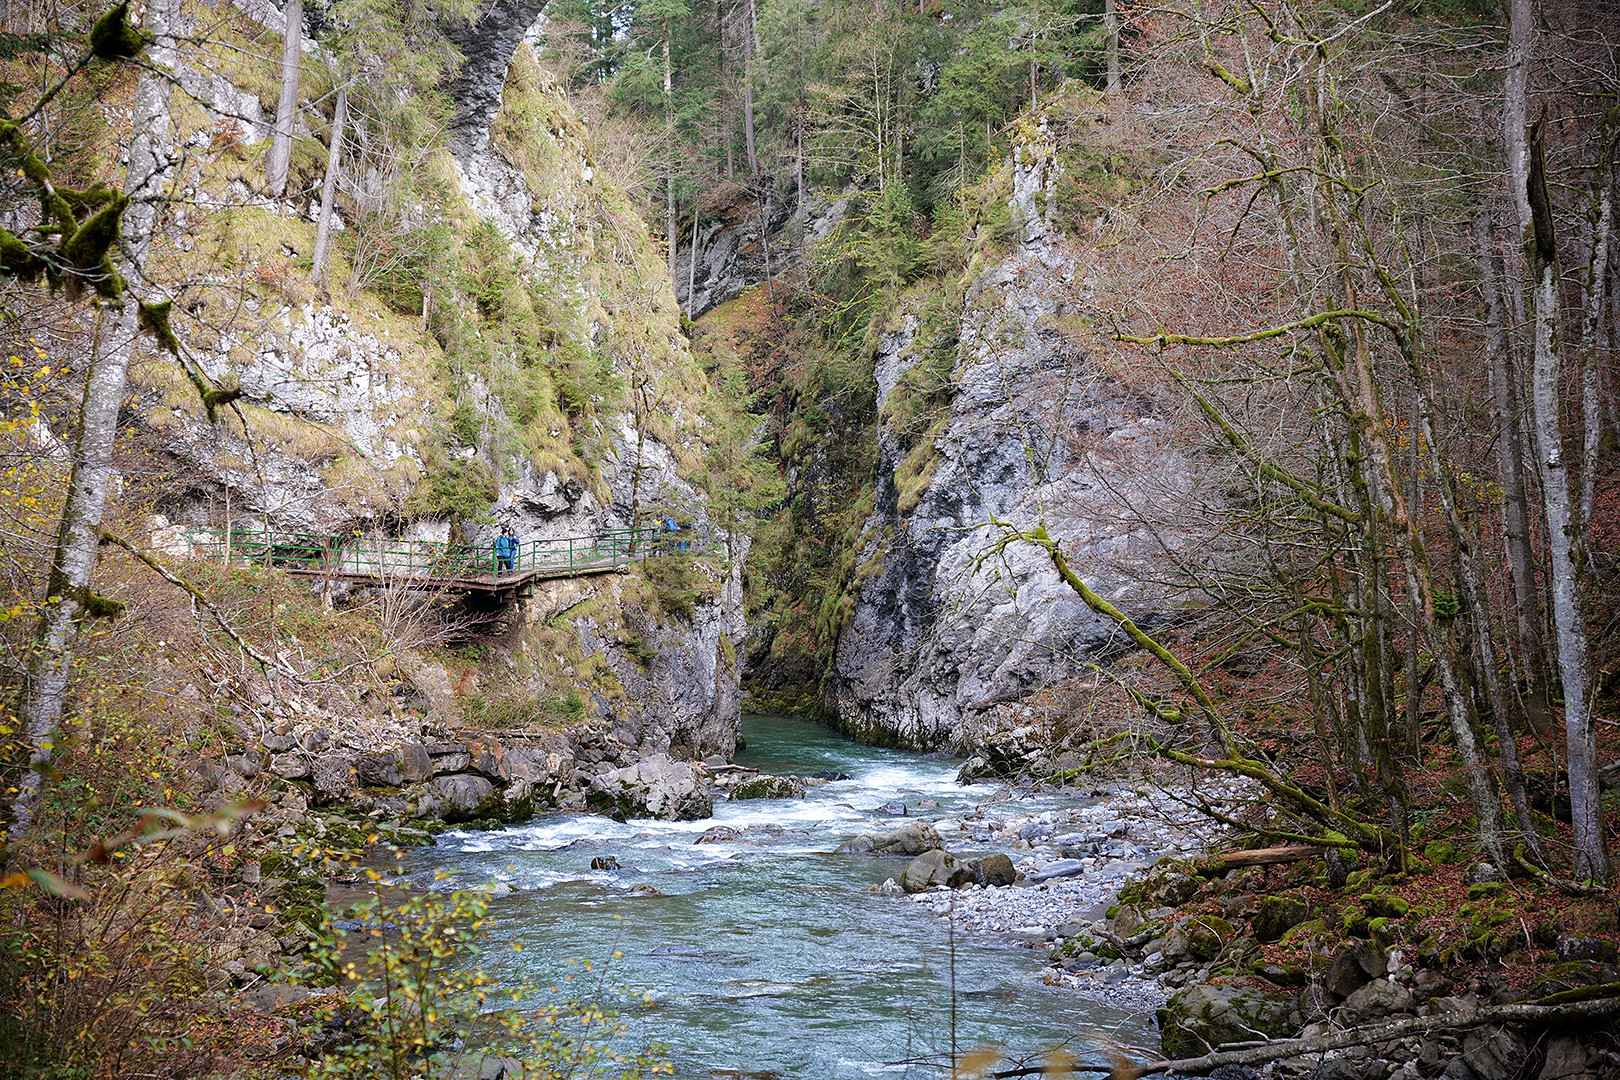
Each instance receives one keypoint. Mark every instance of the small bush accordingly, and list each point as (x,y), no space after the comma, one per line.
(419,994)
(455,487)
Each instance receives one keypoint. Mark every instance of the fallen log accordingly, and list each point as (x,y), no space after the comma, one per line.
(1276,1050)
(1216,865)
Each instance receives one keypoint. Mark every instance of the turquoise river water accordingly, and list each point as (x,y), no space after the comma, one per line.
(771,960)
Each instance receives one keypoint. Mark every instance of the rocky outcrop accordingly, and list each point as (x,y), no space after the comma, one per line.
(487,43)
(659,680)
(655,787)
(767,787)
(746,228)
(912,838)
(940,631)
(1204,1016)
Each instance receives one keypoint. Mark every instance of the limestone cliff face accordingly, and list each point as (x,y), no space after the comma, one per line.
(353,412)
(943,627)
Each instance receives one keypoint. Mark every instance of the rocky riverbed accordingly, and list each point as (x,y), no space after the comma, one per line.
(1096,891)
(1072,865)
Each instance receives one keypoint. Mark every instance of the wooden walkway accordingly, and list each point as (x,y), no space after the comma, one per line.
(431,566)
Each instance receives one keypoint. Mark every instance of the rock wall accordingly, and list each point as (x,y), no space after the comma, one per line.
(945,627)
(346,400)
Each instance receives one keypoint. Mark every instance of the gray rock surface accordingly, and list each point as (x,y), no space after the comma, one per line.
(1377,999)
(466,798)
(912,838)
(934,870)
(1202,1017)
(488,43)
(938,636)
(654,787)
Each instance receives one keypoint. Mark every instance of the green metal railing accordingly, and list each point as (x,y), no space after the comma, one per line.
(409,561)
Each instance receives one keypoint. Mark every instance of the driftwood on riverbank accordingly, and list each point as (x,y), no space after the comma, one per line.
(1216,865)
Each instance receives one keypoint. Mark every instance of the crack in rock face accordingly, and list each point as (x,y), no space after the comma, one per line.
(488,42)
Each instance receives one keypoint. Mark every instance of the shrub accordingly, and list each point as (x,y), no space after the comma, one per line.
(419,996)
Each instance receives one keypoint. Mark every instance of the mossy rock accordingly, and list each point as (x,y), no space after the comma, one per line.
(1206,935)
(1380,905)
(1360,879)
(1204,1016)
(1572,975)
(1276,915)
(1169,883)
(1302,934)
(1486,890)
(1442,852)
(1074,946)
(768,787)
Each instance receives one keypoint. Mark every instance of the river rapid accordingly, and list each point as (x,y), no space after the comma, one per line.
(772,958)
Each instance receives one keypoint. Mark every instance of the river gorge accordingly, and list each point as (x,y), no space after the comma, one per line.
(764,954)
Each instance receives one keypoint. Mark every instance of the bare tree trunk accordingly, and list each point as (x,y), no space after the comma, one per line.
(670,235)
(67,592)
(1563,527)
(1111,44)
(279,159)
(1529,190)
(749,32)
(334,154)
(1597,278)
(1515,504)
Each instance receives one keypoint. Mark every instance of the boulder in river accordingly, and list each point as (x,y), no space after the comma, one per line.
(935,869)
(467,798)
(997,870)
(654,787)
(913,838)
(768,787)
(938,868)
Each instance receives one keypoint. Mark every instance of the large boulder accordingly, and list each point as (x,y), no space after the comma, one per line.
(997,870)
(654,787)
(769,787)
(467,798)
(380,770)
(1276,915)
(912,838)
(1489,1054)
(1354,966)
(1169,883)
(936,869)
(1206,1015)
(1377,1000)
(415,765)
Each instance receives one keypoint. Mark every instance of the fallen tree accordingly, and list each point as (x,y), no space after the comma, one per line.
(1539,1014)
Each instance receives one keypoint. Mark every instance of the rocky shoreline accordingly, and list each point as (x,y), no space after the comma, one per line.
(1072,865)
(1114,892)
(1116,895)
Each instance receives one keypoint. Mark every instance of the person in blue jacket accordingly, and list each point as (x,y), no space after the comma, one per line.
(505,549)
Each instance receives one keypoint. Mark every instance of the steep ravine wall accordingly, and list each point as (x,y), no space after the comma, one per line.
(944,629)
(351,406)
